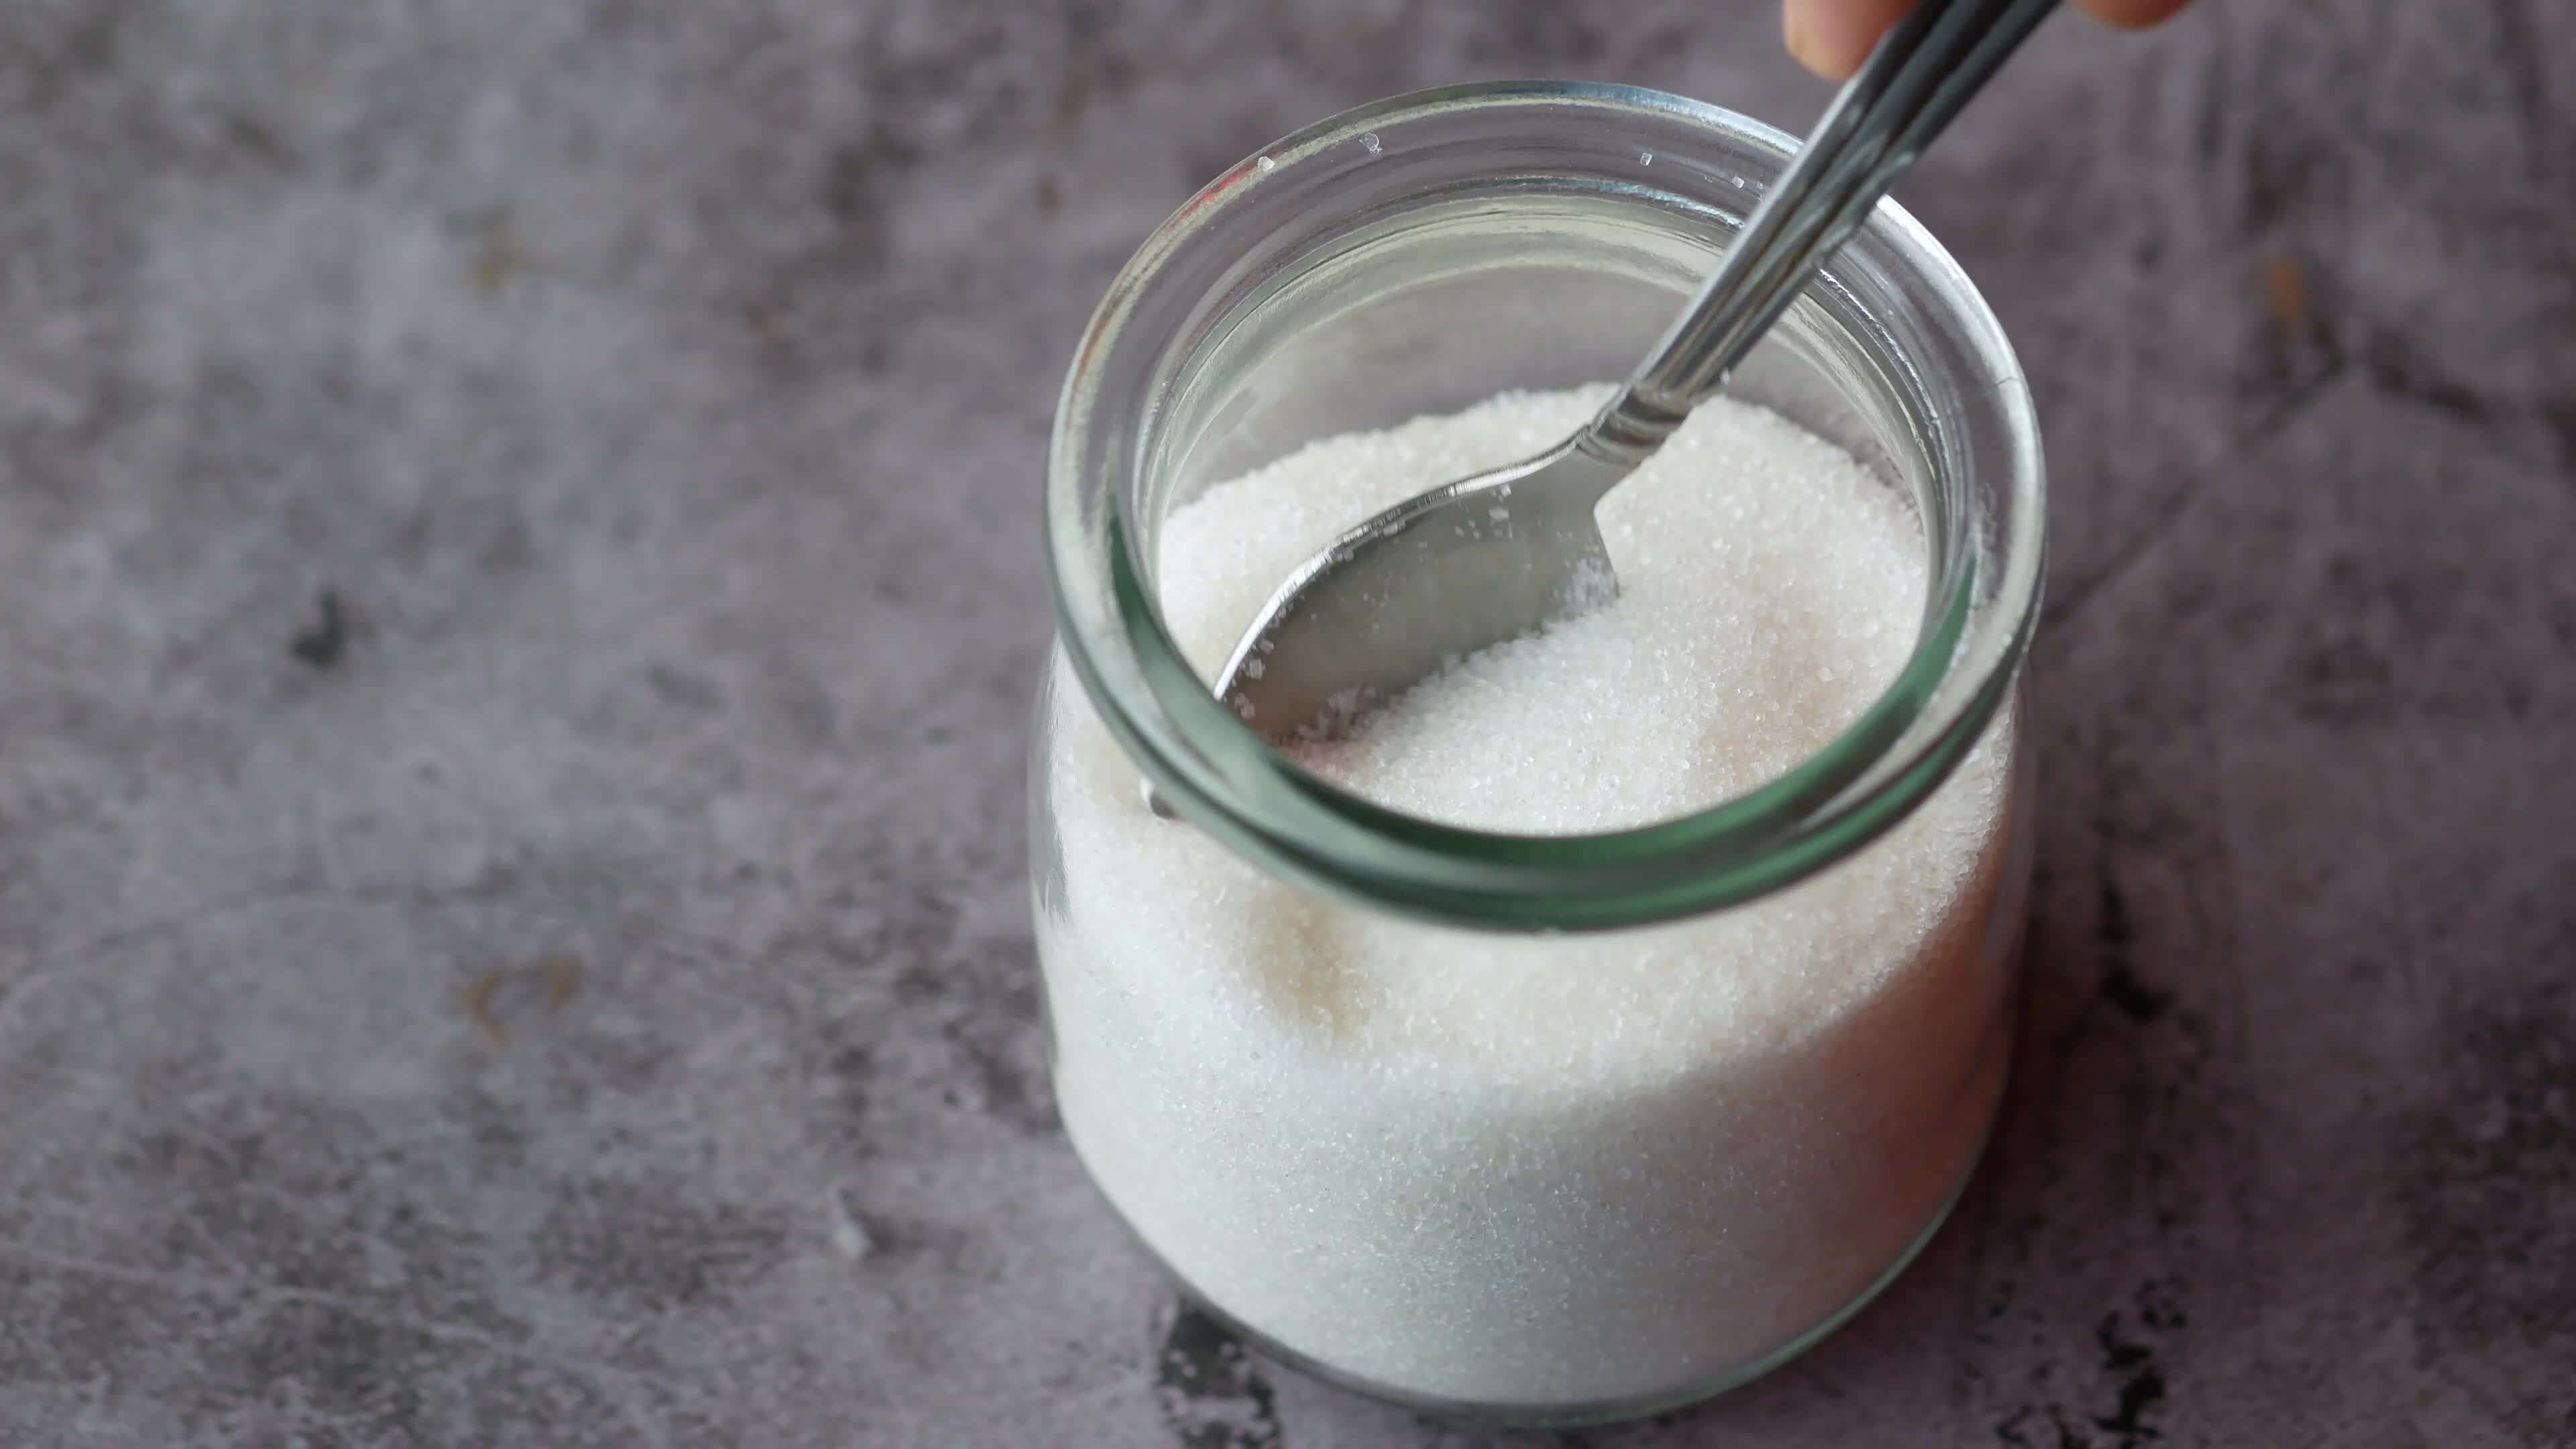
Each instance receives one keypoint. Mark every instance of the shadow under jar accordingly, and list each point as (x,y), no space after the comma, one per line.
(1528,1128)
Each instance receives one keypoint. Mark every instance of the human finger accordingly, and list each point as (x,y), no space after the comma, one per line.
(1832,37)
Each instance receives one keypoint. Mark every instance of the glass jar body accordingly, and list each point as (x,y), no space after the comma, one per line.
(1524,1240)
(1618,1169)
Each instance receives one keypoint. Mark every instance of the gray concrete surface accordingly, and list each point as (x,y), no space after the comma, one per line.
(518,588)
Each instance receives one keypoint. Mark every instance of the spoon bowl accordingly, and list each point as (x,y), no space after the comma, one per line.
(1492,557)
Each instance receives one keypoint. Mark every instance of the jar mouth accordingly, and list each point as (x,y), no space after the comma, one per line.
(1182,286)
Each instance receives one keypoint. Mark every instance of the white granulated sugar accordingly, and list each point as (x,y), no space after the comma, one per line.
(1544,1170)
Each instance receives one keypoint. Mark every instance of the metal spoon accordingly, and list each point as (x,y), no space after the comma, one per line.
(1495,556)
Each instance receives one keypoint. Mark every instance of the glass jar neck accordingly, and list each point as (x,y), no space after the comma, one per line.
(1624,196)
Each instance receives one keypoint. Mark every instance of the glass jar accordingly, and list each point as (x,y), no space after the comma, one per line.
(1652,1219)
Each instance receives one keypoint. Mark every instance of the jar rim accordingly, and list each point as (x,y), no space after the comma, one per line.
(1224,779)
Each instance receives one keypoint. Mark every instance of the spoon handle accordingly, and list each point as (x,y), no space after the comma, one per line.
(1921,75)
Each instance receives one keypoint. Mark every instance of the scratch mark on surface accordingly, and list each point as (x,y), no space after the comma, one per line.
(325,642)
(558,977)
(2160,525)
(497,262)
(2286,287)
(176,1281)
(14,997)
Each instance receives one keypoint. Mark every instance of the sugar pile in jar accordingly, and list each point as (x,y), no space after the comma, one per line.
(1545,1170)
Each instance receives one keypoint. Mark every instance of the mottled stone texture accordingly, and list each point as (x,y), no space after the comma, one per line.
(519,588)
